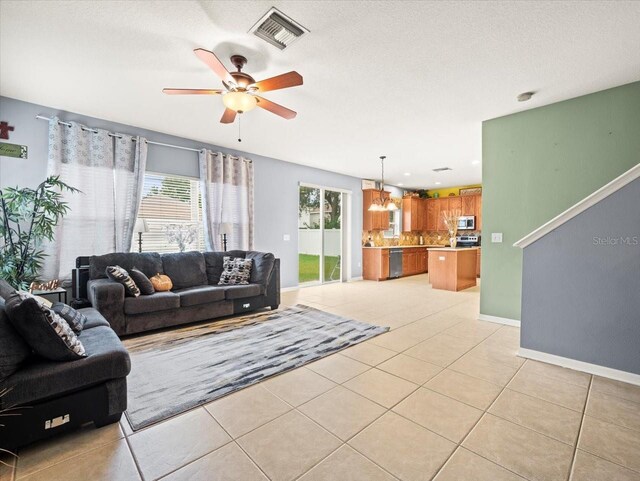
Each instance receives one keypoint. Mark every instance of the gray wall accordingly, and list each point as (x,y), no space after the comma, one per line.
(276,181)
(581,286)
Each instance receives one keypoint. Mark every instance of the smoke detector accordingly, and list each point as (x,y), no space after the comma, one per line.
(278,29)
(442,169)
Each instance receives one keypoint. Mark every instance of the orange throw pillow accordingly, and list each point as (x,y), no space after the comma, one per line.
(161,283)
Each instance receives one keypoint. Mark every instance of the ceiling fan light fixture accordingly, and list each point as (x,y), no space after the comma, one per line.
(239,101)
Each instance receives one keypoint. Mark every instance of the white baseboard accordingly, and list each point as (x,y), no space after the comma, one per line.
(607,372)
(499,320)
(353,279)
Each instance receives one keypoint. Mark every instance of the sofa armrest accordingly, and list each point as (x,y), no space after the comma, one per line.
(107,297)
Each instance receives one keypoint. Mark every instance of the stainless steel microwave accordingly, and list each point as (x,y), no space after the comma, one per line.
(467,222)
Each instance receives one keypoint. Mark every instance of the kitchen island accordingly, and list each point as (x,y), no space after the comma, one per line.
(453,268)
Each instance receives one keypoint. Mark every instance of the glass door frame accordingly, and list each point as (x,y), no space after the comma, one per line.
(345,233)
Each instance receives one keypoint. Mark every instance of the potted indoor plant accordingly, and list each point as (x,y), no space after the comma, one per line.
(27,218)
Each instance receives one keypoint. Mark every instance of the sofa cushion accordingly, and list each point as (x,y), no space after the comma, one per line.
(241,291)
(235,271)
(148,262)
(159,301)
(214,262)
(121,275)
(142,281)
(94,318)
(45,331)
(263,263)
(38,378)
(75,319)
(13,349)
(193,296)
(186,269)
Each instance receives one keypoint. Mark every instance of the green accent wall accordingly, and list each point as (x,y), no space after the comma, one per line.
(538,163)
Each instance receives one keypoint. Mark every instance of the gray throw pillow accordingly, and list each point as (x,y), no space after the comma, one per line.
(235,271)
(13,349)
(5,289)
(118,274)
(142,281)
(75,319)
(46,332)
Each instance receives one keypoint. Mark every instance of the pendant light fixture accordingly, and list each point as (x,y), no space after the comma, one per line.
(380,203)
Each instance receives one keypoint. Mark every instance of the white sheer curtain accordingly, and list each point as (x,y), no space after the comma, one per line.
(226,184)
(130,165)
(102,217)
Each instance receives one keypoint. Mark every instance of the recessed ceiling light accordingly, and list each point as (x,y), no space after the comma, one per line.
(475,162)
(407,174)
(523,97)
(438,183)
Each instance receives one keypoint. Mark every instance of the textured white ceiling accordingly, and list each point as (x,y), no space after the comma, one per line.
(412,80)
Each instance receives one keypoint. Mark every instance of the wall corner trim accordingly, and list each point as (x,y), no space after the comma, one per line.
(616,184)
(499,320)
(576,365)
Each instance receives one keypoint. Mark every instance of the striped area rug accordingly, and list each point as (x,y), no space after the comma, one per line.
(176,370)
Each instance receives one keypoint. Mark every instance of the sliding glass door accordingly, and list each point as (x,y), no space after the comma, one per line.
(320,235)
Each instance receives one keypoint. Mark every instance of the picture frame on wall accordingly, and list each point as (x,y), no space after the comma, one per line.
(471,191)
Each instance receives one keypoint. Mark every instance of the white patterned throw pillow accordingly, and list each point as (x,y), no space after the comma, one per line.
(235,271)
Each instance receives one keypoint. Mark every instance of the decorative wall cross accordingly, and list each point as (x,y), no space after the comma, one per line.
(5,128)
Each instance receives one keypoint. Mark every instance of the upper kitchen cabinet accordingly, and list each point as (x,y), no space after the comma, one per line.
(413,214)
(455,203)
(373,220)
(443,206)
(478,211)
(468,204)
(431,216)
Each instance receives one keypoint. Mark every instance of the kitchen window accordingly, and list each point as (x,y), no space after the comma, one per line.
(172,208)
(395,224)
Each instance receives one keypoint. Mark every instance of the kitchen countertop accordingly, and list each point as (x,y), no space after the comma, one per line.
(431,246)
(454,248)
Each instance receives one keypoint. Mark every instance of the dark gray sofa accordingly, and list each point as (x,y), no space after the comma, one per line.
(52,397)
(196,295)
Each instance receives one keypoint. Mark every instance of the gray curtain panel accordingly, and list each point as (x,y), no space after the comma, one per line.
(109,171)
(226,184)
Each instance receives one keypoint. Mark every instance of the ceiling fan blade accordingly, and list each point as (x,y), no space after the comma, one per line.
(286,80)
(192,91)
(228,116)
(214,64)
(276,108)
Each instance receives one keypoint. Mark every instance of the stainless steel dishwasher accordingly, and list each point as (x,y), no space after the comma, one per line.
(395,263)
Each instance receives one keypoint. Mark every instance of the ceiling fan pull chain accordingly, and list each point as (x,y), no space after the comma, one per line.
(239,136)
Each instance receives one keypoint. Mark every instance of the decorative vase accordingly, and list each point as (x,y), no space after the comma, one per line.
(453,241)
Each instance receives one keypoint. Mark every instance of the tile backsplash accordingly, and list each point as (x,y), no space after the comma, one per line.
(409,238)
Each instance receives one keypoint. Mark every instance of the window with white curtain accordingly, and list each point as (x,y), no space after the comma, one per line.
(172,208)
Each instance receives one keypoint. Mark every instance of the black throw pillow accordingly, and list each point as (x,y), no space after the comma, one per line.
(45,331)
(119,274)
(75,319)
(142,281)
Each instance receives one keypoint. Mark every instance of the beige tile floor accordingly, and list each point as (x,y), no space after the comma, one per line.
(441,396)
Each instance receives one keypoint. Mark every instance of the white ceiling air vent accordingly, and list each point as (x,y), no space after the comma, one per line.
(278,29)
(442,169)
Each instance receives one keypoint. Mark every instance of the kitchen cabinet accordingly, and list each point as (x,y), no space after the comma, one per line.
(478,263)
(413,214)
(478,211)
(375,262)
(432,214)
(468,204)
(374,220)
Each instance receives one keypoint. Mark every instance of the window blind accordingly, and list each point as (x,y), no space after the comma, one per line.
(172,207)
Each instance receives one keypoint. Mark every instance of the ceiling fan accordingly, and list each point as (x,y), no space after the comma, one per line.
(240,94)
